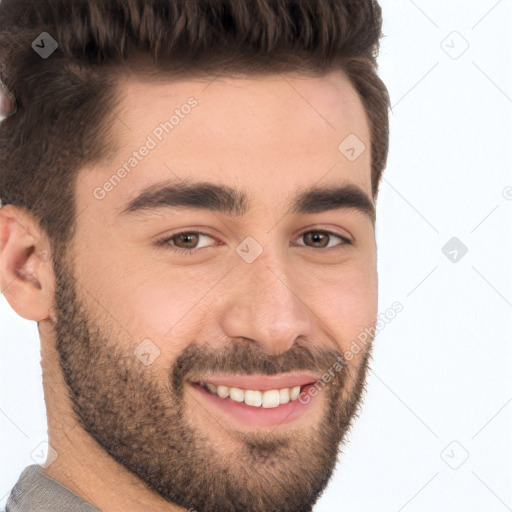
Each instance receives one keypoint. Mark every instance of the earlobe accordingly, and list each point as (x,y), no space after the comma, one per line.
(26,274)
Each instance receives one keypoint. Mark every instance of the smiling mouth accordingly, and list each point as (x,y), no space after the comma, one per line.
(258,401)
(255,398)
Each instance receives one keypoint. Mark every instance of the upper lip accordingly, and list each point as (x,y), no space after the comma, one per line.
(260,382)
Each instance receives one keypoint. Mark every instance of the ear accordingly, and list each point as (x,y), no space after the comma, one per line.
(26,273)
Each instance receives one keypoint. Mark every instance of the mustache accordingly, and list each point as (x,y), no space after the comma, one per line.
(247,358)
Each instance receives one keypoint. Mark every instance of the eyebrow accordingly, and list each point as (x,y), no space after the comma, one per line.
(233,202)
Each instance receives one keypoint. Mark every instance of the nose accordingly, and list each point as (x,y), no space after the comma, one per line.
(264,307)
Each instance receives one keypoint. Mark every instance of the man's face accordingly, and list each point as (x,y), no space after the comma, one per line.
(143,329)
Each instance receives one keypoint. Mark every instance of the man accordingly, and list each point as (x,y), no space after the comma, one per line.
(188,213)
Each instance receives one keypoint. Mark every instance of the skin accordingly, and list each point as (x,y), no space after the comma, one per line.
(118,288)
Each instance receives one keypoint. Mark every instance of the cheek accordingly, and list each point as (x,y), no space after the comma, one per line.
(166,308)
(163,307)
(145,301)
(347,303)
(352,312)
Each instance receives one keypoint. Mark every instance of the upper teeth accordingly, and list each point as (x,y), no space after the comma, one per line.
(267,399)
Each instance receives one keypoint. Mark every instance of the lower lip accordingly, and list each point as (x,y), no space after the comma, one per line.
(257,416)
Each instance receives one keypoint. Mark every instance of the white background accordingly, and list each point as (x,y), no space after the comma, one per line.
(439,393)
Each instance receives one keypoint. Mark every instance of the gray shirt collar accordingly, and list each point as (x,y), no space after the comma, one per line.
(36,492)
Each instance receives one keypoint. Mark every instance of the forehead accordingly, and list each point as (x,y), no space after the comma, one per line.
(269,135)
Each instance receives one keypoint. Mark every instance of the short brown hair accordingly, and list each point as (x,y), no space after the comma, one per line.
(66,102)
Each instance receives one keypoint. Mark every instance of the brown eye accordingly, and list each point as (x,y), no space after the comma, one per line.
(317,238)
(323,239)
(189,240)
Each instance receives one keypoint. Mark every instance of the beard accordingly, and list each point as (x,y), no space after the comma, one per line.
(139,416)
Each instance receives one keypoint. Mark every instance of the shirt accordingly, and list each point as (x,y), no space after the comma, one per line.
(36,492)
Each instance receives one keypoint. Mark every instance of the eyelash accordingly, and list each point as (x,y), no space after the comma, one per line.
(165,241)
